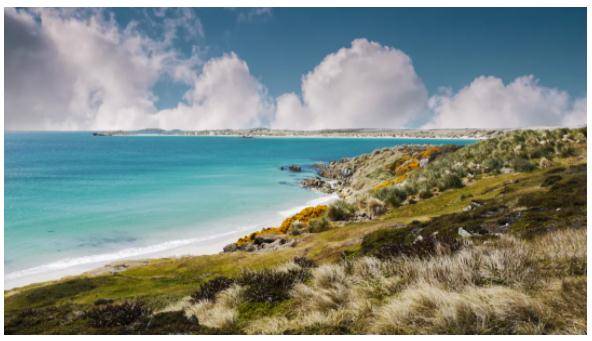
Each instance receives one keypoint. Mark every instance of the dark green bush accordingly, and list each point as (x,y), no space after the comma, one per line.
(271,285)
(319,225)
(425,194)
(341,210)
(211,288)
(493,165)
(522,165)
(450,181)
(566,151)
(172,322)
(305,263)
(392,196)
(117,315)
(389,243)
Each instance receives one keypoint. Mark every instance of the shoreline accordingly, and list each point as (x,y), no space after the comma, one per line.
(429,138)
(126,258)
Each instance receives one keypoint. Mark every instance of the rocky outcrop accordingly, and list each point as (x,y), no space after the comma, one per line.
(262,243)
(351,177)
(292,168)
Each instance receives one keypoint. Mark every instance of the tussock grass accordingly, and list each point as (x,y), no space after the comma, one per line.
(427,309)
(493,287)
(222,313)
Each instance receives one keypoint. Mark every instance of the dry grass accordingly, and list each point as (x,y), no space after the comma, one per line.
(427,309)
(496,287)
(220,314)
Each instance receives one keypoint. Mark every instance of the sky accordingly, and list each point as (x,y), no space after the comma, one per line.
(294,68)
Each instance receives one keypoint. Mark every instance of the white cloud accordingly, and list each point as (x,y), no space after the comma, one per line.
(254,13)
(224,95)
(365,85)
(488,103)
(79,70)
(73,71)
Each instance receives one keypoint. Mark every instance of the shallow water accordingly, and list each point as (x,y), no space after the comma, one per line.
(72,199)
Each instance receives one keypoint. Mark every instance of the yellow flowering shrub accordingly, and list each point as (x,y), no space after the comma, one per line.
(304,216)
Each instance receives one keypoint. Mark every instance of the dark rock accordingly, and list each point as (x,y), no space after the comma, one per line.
(292,168)
(230,247)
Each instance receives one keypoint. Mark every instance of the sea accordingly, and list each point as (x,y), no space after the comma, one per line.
(75,202)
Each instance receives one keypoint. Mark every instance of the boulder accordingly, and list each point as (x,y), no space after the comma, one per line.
(230,247)
(291,168)
(464,233)
(346,172)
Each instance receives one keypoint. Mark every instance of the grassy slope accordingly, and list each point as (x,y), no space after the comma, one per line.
(163,281)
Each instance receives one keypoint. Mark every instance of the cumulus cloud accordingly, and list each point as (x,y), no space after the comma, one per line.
(79,70)
(65,71)
(488,103)
(225,95)
(364,85)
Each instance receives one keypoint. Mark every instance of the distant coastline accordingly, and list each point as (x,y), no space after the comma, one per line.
(477,134)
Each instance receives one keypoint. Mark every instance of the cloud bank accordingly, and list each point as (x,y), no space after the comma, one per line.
(488,103)
(365,85)
(79,70)
(224,95)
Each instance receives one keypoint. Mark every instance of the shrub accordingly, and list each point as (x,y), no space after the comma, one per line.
(117,315)
(375,207)
(296,228)
(304,262)
(493,165)
(522,165)
(425,194)
(172,322)
(271,285)
(450,181)
(392,196)
(389,243)
(566,151)
(319,225)
(211,288)
(341,210)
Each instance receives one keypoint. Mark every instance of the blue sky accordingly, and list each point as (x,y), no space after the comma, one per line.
(449,47)
(299,68)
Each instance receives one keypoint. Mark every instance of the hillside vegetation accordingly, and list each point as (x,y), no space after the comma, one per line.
(488,238)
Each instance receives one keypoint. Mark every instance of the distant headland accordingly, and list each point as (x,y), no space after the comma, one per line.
(364,133)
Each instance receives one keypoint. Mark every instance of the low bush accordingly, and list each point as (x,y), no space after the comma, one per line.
(389,243)
(117,315)
(211,288)
(271,285)
(449,181)
(392,196)
(522,165)
(425,194)
(493,165)
(304,262)
(341,210)
(171,322)
(319,225)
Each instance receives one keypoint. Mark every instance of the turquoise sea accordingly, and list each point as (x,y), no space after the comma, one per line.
(74,202)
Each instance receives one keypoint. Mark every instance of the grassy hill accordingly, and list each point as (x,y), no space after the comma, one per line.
(489,238)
